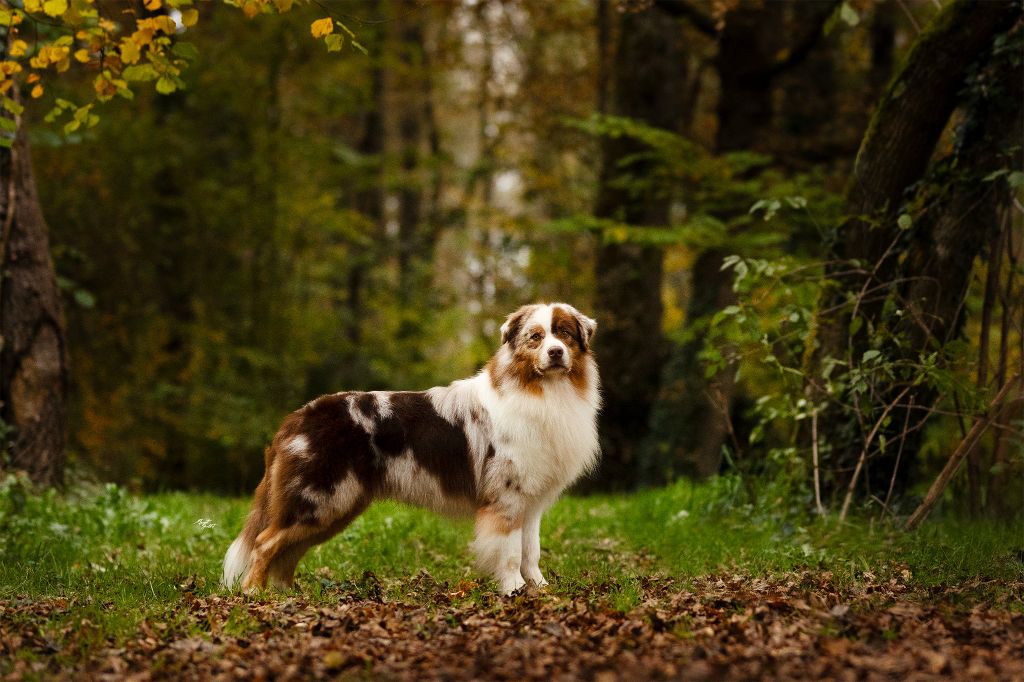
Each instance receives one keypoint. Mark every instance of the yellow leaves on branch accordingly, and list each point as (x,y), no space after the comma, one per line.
(52,55)
(324,28)
(119,52)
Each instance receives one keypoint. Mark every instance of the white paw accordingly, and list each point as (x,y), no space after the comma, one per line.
(534,577)
(511,583)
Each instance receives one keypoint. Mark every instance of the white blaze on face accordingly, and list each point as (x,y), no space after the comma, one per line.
(543,318)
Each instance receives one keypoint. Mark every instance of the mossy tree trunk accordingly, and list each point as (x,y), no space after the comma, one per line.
(884,258)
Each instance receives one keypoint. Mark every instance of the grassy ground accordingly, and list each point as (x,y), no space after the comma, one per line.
(121,560)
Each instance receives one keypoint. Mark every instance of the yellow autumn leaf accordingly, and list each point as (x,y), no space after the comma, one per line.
(18,48)
(32,77)
(153,5)
(104,88)
(129,51)
(251,8)
(55,8)
(82,55)
(321,27)
(33,5)
(189,17)
(37,91)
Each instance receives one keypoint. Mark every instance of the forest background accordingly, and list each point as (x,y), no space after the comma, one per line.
(798,225)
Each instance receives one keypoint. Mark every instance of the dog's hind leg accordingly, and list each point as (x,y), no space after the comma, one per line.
(281,568)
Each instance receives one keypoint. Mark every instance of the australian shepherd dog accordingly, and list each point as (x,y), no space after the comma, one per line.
(501,445)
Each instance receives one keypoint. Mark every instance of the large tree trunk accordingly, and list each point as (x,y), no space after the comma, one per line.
(962,218)
(647,83)
(893,156)
(33,359)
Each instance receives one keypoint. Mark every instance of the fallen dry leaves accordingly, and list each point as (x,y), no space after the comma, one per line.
(715,627)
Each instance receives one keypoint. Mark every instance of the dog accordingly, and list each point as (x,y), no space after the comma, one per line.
(501,445)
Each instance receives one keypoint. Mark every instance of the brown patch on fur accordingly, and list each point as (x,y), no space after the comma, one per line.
(521,372)
(568,328)
(437,445)
(489,520)
(514,323)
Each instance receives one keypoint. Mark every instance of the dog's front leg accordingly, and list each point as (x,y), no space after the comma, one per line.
(498,544)
(530,565)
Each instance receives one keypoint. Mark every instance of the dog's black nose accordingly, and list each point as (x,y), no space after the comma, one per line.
(555,353)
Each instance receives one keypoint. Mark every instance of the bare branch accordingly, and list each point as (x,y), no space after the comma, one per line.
(942,480)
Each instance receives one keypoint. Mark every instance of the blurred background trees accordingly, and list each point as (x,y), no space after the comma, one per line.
(771,301)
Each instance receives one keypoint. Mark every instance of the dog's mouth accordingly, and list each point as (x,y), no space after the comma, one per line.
(554,367)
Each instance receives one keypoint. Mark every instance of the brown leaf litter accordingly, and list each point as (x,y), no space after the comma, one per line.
(800,626)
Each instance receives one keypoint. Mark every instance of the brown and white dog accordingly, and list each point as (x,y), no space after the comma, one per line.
(501,445)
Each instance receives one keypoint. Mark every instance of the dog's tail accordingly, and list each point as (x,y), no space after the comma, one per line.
(238,559)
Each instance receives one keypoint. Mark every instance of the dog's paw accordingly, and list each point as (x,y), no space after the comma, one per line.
(511,585)
(534,578)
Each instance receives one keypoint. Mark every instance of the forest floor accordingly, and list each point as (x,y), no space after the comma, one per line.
(683,582)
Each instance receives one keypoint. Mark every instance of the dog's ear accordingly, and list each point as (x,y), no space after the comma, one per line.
(587,325)
(513,324)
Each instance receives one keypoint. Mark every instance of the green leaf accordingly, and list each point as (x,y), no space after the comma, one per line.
(6,142)
(1016,179)
(14,107)
(8,124)
(55,8)
(165,85)
(334,42)
(870,355)
(186,50)
(71,126)
(84,298)
(904,222)
(140,72)
(849,15)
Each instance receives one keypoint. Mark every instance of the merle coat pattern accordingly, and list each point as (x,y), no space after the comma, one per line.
(502,445)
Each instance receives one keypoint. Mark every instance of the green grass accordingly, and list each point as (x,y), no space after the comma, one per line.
(120,560)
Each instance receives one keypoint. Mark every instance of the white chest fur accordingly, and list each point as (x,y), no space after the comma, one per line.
(550,439)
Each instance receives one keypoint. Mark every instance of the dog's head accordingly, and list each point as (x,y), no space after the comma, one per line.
(548,339)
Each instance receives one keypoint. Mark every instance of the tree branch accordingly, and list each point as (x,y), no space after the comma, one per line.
(681,9)
(942,480)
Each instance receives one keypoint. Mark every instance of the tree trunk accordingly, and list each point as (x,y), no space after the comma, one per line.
(34,358)
(646,78)
(894,155)
(961,219)
(691,419)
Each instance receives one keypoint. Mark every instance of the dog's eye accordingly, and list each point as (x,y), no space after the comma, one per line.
(536,336)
